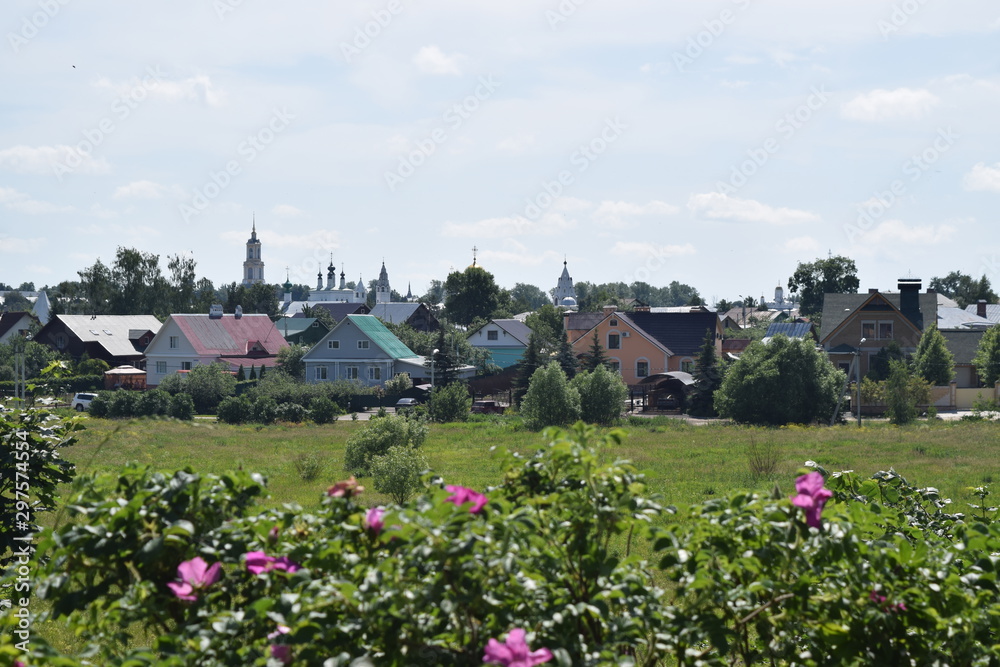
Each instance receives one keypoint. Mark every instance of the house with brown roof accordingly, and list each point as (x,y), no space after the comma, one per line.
(116,339)
(15,324)
(186,341)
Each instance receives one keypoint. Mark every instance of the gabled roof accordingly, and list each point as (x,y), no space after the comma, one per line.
(229,336)
(516,328)
(372,327)
(394,313)
(992,311)
(9,320)
(582,321)
(109,331)
(962,343)
(293,325)
(792,330)
(838,307)
(956,318)
(682,333)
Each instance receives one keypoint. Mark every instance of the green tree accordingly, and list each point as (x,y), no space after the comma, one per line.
(450,403)
(602,395)
(707,379)
(290,360)
(241,375)
(445,364)
(987,359)
(835,275)
(933,361)
(526,298)
(16,302)
(207,385)
(531,361)
(546,324)
(903,392)
(879,365)
(595,355)
(377,436)
(321,314)
(964,289)
(183,283)
(566,357)
(398,384)
(784,381)
(550,400)
(397,473)
(470,294)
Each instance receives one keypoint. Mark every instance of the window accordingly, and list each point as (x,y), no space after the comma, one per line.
(362,345)
(492,334)
(161,367)
(351,372)
(614,342)
(185,365)
(333,344)
(844,366)
(885,330)
(174,342)
(321,372)
(641,369)
(687,365)
(615,366)
(868,330)
(374,373)
(613,322)
(61,341)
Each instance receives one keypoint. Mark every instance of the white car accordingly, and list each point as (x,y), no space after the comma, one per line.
(82,401)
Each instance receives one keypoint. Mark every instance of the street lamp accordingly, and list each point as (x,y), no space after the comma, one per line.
(434,354)
(857,376)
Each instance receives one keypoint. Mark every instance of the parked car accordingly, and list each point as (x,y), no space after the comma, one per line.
(487,408)
(81,402)
(404,403)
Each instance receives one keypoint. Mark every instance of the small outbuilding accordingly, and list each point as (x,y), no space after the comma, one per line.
(125,377)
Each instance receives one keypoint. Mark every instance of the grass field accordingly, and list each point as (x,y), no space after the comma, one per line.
(685,463)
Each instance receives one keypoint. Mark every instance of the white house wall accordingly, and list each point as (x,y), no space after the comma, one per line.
(159,350)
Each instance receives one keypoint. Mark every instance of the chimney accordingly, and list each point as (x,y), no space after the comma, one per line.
(909,301)
(873,290)
(239,312)
(981,308)
(609,310)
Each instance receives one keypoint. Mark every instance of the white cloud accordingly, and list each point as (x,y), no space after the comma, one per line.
(10,245)
(22,203)
(983,177)
(739,59)
(801,244)
(322,239)
(493,228)
(520,254)
(717,206)
(895,232)
(899,104)
(287,211)
(617,213)
(432,60)
(144,190)
(639,249)
(51,160)
(516,144)
(196,88)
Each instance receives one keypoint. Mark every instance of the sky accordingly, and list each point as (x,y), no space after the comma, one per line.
(717,144)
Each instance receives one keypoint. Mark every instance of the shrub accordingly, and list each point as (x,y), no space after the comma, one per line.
(234,410)
(550,400)
(377,436)
(208,385)
(323,410)
(903,392)
(153,403)
(308,465)
(291,412)
(100,405)
(397,473)
(264,411)
(181,406)
(122,404)
(450,403)
(602,395)
(172,384)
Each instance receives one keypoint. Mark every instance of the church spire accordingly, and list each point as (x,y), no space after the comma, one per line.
(253,267)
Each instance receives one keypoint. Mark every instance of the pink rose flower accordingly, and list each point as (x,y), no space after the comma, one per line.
(349,487)
(461,495)
(373,520)
(515,652)
(282,653)
(259,562)
(812,496)
(194,575)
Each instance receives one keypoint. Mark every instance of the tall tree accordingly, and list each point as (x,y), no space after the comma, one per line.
(183,283)
(595,355)
(527,297)
(96,288)
(987,359)
(445,363)
(531,361)
(470,294)
(707,379)
(834,275)
(964,289)
(547,325)
(933,361)
(880,364)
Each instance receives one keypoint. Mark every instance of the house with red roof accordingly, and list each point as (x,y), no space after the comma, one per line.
(186,341)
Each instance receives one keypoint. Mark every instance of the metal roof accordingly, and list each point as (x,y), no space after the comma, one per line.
(682,333)
(109,331)
(838,307)
(963,344)
(791,329)
(992,311)
(957,318)
(372,327)
(516,328)
(229,335)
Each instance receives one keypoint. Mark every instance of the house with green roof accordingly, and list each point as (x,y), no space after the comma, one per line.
(361,348)
(302,330)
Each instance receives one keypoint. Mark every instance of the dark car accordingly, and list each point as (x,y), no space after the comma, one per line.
(405,403)
(487,408)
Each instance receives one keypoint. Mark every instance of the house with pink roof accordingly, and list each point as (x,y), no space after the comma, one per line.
(186,341)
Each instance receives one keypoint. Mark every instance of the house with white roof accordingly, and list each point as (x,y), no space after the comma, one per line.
(117,339)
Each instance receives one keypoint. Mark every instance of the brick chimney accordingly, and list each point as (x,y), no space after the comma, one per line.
(981,308)
(609,310)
